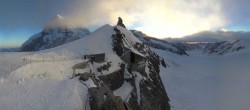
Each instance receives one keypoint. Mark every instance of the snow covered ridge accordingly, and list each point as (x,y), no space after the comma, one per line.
(57,32)
(221,48)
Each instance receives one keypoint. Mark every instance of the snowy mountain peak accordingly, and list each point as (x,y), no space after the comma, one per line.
(58,31)
(59,21)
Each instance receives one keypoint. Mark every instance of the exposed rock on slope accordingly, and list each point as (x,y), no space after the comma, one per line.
(128,77)
(221,48)
(149,92)
(57,32)
(177,48)
(120,22)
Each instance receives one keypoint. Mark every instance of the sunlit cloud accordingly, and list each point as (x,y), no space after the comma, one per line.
(224,30)
(158,18)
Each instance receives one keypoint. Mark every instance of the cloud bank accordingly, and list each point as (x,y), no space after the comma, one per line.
(160,18)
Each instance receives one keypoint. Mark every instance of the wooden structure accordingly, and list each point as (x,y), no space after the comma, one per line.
(95,57)
(132,57)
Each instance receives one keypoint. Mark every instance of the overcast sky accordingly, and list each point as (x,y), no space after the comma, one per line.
(159,18)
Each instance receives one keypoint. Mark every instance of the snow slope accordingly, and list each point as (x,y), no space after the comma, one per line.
(40,85)
(10,61)
(202,82)
(99,41)
(41,80)
(43,94)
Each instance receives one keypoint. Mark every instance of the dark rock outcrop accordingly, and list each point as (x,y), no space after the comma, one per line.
(154,98)
(117,40)
(120,22)
(114,80)
(146,90)
(102,98)
(177,48)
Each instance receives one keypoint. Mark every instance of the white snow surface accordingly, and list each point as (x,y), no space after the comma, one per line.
(42,94)
(137,85)
(41,80)
(46,70)
(202,82)
(42,86)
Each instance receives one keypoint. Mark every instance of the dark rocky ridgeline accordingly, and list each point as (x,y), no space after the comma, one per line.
(115,79)
(177,48)
(153,95)
(102,98)
(120,22)
(187,47)
(148,91)
(34,45)
(221,48)
(117,40)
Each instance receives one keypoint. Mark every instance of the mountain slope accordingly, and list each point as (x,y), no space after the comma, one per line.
(221,48)
(101,41)
(57,32)
(177,48)
(207,82)
(116,73)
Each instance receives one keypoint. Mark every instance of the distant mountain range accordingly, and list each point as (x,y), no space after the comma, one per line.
(9,49)
(59,31)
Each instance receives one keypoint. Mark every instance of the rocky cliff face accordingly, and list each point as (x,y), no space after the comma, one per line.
(135,84)
(128,78)
(221,48)
(57,32)
(148,92)
(120,22)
